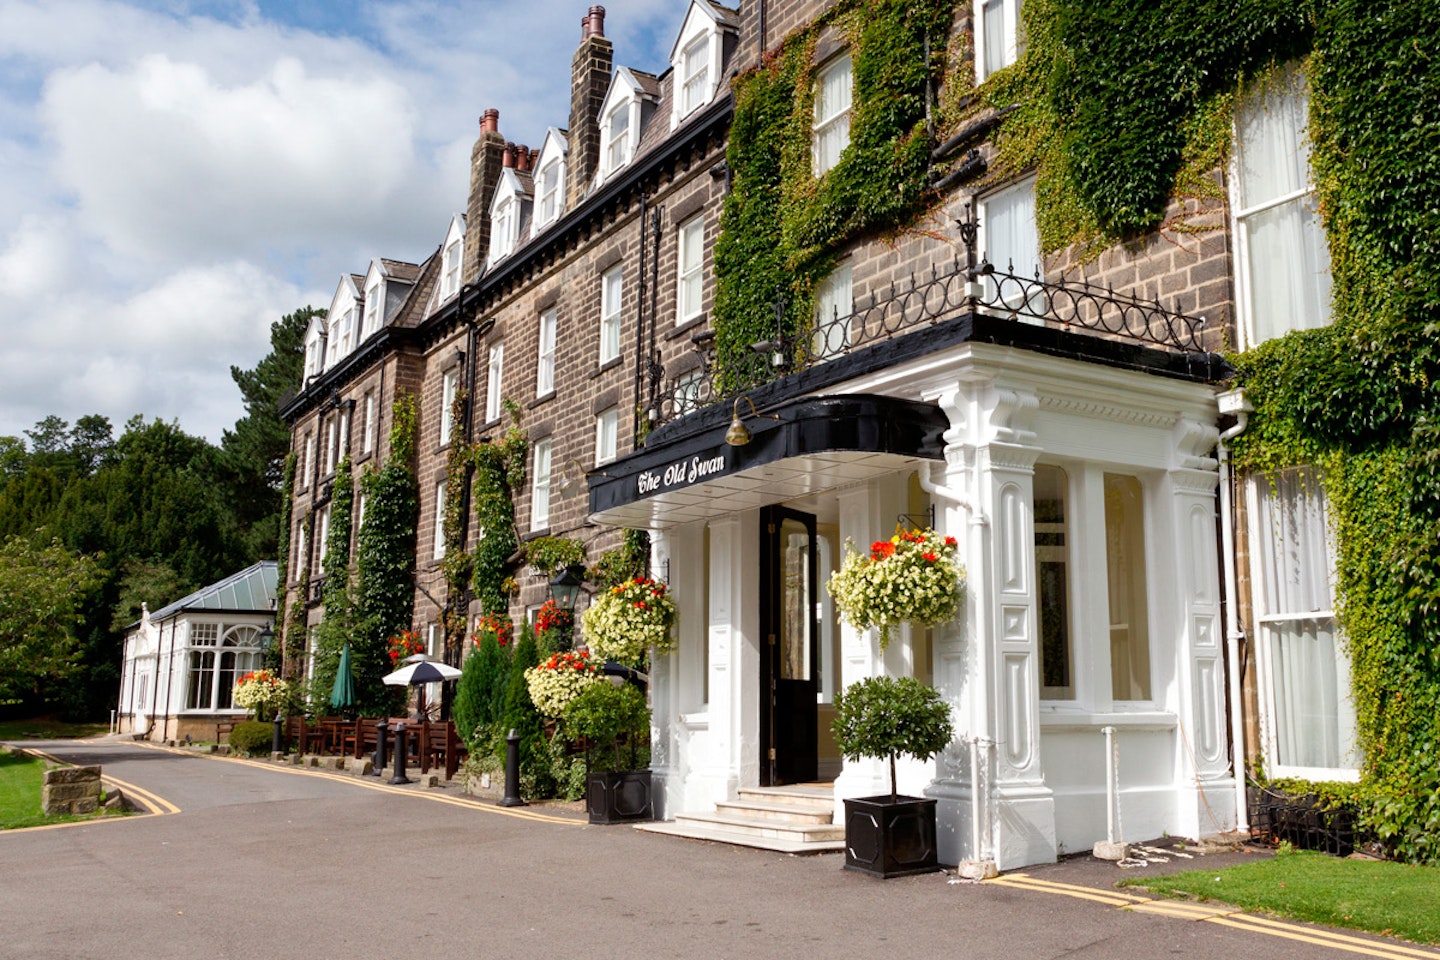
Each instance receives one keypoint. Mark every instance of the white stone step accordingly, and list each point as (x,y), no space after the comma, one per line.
(694,829)
(763,827)
(793,812)
(800,794)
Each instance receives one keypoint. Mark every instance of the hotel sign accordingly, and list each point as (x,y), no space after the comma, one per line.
(681,473)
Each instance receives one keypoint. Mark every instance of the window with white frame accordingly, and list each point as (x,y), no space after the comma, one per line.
(695,75)
(834,302)
(217,661)
(449,385)
(307,460)
(302,549)
(610,291)
(493,376)
(368,439)
(1307,714)
(450,278)
(607,432)
(549,186)
(329,446)
(1072,659)
(343,432)
(1283,254)
(374,298)
(322,539)
(503,226)
(691,258)
(831,133)
(999,39)
(1010,239)
(540,486)
(360,510)
(438,551)
(545,359)
(340,337)
(314,355)
(617,137)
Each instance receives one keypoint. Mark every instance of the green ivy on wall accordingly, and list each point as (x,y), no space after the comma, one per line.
(783,228)
(385,559)
(499,473)
(338,623)
(1359,398)
(274,657)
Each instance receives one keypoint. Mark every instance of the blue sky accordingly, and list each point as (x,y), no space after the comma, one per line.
(174,176)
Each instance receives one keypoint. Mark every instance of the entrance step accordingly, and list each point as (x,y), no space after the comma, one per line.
(793,819)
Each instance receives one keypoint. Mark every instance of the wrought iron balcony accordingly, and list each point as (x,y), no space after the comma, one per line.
(944,293)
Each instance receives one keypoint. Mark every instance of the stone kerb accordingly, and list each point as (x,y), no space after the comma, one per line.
(71,790)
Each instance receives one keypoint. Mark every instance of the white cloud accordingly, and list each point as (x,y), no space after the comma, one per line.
(171,183)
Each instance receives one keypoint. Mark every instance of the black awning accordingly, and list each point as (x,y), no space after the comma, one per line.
(800,447)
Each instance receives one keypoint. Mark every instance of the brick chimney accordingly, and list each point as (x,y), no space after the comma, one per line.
(589,81)
(485,162)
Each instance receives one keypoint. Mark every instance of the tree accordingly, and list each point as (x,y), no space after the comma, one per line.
(42,593)
(254,451)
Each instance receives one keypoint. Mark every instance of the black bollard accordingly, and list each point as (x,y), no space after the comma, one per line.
(512,773)
(277,735)
(382,737)
(400,752)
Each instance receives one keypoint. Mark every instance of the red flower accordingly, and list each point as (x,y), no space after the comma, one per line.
(882,549)
(930,557)
(950,541)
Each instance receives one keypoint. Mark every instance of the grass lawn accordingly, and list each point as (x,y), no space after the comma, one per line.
(1392,899)
(46,728)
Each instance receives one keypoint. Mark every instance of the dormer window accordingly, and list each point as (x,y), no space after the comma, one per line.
(549,190)
(697,56)
(617,137)
(450,278)
(502,229)
(374,296)
(831,134)
(695,75)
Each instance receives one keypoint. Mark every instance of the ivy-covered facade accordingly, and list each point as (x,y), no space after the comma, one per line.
(1133,302)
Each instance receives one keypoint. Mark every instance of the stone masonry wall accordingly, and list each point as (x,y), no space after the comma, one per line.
(71,790)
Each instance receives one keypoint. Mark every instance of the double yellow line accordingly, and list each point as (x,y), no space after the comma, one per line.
(152,804)
(1224,916)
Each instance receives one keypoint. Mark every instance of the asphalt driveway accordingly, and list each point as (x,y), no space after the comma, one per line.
(268,861)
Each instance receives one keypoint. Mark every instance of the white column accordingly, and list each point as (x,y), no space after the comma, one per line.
(1203,776)
(664,678)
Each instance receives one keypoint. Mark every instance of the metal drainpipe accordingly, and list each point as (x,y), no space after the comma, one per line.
(639,326)
(1233,635)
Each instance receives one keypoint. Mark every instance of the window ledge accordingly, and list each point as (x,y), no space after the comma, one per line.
(686,327)
(608,365)
(1054,719)
(695,721)
(539,400)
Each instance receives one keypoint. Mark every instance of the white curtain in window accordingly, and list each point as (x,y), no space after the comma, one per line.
(832,113)
(834,302)
(1310,713)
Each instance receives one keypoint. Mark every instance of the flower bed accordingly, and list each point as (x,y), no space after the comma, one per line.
(912,577)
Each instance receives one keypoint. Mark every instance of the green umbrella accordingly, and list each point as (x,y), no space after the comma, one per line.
(342,695)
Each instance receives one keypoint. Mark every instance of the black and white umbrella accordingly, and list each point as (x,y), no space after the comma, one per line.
(424,671)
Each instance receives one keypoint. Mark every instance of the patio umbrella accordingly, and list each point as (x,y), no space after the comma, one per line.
(425,671)
(342,695)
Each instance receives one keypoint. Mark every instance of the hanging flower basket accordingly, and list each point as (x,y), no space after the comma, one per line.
(404,644)
(261,692)
(557,681)
(912,577)
(626,620)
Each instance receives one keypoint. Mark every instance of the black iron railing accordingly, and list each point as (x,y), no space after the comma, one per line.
(943,293)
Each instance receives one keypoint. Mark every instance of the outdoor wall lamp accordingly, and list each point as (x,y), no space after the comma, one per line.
(738,435)
(571,483)
(566,586)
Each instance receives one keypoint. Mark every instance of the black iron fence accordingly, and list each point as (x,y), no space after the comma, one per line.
(910,306)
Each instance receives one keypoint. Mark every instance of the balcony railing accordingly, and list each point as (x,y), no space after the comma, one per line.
(943,293)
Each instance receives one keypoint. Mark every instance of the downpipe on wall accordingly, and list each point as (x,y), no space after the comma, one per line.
(1233,402)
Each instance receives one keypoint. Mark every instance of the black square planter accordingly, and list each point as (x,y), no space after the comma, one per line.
(619,796)
(890,838)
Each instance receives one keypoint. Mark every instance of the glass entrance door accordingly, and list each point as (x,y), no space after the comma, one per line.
(791,631)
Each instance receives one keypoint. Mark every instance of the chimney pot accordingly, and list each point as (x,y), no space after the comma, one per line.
(595,22)
(507,159)
(490,121)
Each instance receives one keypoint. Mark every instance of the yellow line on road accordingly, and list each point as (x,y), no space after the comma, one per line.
(519,813)
(1224,916)
(154,804)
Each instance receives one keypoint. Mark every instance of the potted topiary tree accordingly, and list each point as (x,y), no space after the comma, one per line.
(883,717)
(604,714)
